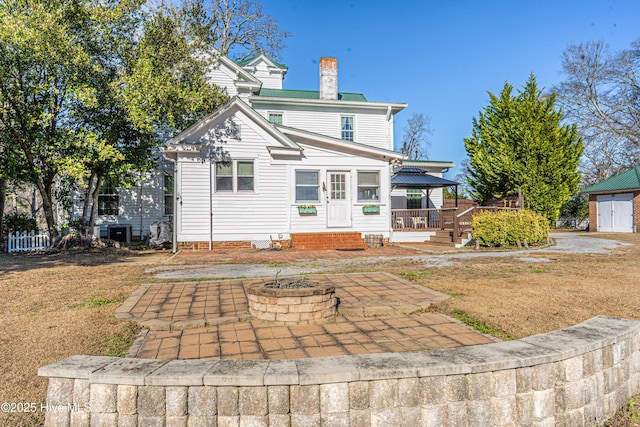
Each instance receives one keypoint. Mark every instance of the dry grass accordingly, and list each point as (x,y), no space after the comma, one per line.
(528,298)
(55,306)
(52,307)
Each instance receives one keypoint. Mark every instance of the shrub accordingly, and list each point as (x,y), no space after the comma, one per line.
(508,228)
(19,222)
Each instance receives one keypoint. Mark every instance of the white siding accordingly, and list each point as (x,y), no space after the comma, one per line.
(222,78)
(324,161)
(193,200)
(139,206)
(236,215)
(271,210)
(269,80)
(371,127)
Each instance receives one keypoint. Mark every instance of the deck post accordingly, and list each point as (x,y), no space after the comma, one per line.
(455,234)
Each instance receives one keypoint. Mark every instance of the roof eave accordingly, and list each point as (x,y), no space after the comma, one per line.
(341,144)
(395,107)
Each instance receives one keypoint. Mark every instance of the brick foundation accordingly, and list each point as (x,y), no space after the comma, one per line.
(347,241)
(351,240)
(232,244)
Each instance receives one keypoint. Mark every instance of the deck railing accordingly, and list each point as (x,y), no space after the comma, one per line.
(437,219)
(422,219)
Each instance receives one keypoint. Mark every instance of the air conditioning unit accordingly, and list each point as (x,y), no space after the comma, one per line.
(119,232)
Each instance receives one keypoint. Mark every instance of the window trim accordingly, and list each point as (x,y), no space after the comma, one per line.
(317,186)
(217,176)
(168,194)
(238,176)
(114,195)
(234,177)
(352,130)
(358,187)
(276,113)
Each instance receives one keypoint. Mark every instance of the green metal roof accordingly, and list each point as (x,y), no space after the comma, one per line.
(628,180)
(244,62)
(309,94)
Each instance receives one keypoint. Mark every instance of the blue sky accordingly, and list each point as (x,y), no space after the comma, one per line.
(441,57)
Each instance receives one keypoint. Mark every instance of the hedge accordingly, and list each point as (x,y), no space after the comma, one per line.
(509,228)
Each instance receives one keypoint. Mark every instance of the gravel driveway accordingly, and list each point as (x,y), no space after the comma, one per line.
(564,243)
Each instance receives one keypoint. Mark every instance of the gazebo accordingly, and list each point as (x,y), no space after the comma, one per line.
(423,218)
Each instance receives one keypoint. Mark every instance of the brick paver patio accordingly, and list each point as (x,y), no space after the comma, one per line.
(379,313)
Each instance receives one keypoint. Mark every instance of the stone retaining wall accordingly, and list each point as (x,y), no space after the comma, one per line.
(571,377)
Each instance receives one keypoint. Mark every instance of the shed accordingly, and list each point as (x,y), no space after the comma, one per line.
(614,204)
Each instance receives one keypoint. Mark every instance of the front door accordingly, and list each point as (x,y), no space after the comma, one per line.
(338,200)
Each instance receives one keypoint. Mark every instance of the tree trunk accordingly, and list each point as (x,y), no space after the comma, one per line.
(3,194)
(94,207)
(84,221)
(45,188)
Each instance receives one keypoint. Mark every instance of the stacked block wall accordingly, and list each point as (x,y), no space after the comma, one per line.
(578,376)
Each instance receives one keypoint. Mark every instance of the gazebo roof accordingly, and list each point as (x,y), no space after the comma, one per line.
(418,178)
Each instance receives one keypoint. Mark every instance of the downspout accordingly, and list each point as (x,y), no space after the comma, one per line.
(210,199)
(174,219)
(140,205)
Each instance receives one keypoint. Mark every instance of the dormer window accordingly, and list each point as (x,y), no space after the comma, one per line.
(275,118)
(346,128)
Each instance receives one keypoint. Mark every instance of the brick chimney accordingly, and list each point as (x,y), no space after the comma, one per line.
(329,78)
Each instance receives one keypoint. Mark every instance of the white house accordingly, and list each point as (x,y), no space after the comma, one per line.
(274,166)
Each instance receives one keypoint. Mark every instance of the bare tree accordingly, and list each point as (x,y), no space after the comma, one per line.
(236,28)
(601,94)
(415,140)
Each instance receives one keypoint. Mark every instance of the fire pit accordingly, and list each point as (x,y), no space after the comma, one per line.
(292,301)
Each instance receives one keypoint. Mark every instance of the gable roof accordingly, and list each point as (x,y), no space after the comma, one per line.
(628,180)
(282,134)
(308,94)
(263,57)
(339,144)
(239,71)
(235,104)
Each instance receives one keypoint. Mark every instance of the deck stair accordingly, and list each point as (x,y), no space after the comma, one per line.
(445,238)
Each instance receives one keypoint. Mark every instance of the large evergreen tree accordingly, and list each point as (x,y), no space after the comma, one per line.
(518,142)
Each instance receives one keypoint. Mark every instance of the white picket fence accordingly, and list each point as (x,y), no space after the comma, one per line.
(27,241)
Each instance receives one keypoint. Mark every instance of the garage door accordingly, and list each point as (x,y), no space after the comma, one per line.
(615,213)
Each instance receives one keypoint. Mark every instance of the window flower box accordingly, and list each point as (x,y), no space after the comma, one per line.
(371,209)
(307,210)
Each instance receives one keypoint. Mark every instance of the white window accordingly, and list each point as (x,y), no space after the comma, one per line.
(346,128)
(108,198)
(237,175)
(245,176)
(224,176)
(168,194)
(368,186)
(307,186)
(275,118)
(414,198)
